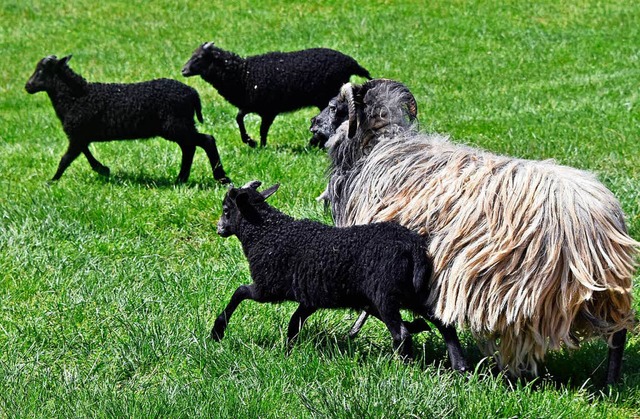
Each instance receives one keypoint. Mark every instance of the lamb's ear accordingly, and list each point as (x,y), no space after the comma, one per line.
(270,191)
(253,184)
(246,208)
(64,60)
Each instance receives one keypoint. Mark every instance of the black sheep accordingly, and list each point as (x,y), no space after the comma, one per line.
(382,268)
(92,112)
(273,83)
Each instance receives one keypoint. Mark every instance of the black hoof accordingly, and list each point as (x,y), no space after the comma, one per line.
(251,143)
(103,171)
(216,335)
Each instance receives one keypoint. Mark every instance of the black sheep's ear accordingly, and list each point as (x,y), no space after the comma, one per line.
(64,60)
(270,191)
(232,192)
(253,184)
(246,208)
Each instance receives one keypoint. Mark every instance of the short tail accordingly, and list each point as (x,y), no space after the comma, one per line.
(362,72)
(198,108)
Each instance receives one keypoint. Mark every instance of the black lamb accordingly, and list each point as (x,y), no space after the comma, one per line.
(92,112)
(273,83)
(382,268)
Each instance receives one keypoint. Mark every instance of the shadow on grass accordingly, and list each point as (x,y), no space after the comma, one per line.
(164,182)
(583,369)
(298,148)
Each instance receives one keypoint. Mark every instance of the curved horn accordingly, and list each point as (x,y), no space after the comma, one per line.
(412,107)
(346,92)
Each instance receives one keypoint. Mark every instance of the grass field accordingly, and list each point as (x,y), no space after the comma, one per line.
(109,286)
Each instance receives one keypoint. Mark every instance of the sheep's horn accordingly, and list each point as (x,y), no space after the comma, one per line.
(412,106)
(347,92)
(207,45)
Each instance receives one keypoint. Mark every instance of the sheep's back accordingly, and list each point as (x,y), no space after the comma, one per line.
(286,81)
(528,254)
(336,267)
(130,110)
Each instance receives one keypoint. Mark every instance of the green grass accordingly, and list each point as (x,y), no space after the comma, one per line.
(109,287)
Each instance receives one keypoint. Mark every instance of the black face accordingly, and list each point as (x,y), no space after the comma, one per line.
(40,78)
(225,223)
(199,61)
(325,124)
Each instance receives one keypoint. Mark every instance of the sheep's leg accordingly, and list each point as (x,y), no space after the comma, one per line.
(95,164)
(267,120)
(402,343)
(355,329)
(208,144)
(415,326)
(188,150)
(243,292)
(614,364)
(450,336)
(72,153)
(297,320)
(243,131)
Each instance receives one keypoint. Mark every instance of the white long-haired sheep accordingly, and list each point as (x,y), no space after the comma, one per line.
(529,255)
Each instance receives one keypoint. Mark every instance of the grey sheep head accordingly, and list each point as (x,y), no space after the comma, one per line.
(242,203)
(375,104)
(326,123)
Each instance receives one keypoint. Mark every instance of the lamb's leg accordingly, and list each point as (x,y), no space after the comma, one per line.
(415,326)
(402,343)
(188,150)
(450,336)
(208,144)
(243,131)
(355,329)
(297,320)
(267,120)
(95,164)
(243,292)
(614,364)
(72,153)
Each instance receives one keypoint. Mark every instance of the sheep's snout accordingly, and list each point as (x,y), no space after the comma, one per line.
(32,86)
(29,88)
(186,71)
(222,229)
